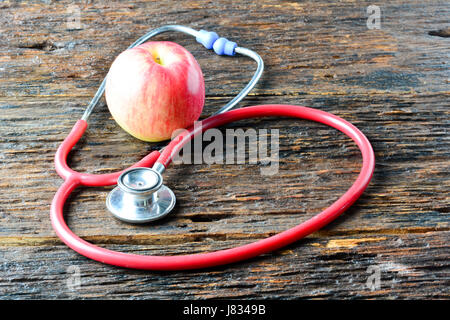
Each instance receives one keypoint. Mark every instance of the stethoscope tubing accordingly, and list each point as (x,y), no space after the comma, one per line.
(74,179)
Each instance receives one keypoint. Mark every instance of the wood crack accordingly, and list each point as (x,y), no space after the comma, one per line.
(201,236)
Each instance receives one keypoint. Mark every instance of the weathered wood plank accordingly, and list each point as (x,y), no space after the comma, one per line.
(392,83)
(410,266)
(308,47)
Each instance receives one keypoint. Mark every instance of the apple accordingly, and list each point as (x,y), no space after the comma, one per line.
(154,89)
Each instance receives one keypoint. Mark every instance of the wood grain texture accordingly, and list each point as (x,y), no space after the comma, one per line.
(392,83)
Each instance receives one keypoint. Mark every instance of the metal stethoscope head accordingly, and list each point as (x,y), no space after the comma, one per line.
(140,196)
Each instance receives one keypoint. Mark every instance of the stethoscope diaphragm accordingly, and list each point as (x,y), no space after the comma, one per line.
(140,196)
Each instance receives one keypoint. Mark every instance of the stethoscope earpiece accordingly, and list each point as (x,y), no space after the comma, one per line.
(140,196)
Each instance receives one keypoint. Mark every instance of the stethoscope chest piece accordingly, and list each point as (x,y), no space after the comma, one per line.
(140,196)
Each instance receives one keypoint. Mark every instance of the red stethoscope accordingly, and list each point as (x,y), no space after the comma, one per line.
(141,197)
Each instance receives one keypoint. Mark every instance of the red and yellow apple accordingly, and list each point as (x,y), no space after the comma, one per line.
(155,89)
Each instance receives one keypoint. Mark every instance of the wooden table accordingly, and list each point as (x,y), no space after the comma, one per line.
(392,82)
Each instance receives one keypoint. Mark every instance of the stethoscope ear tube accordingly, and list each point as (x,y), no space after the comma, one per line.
(195,261)
(87,179)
